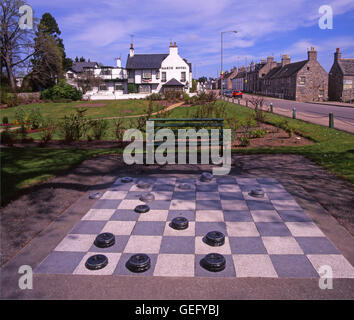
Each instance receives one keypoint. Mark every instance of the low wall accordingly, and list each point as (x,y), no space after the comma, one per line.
(115,97)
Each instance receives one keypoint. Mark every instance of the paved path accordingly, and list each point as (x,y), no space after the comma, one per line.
(311,112)
(171,107)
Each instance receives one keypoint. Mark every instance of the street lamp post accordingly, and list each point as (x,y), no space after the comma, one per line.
(222,73)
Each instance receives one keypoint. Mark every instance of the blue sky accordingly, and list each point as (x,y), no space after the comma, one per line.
(101,30)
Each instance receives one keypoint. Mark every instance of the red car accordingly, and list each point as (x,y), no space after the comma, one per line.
(237,94)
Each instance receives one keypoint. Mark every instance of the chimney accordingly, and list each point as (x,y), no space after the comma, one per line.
(337,55)
(285,59)
(312,54)
(131,51)
(173,49)
(270,60)
(119,63)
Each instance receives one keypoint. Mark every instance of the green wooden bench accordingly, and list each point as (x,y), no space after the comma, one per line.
(189,123)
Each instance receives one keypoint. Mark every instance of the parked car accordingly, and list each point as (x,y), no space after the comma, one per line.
(237,94)
(228,93)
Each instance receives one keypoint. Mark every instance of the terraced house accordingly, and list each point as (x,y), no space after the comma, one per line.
(341,79)
(302,81)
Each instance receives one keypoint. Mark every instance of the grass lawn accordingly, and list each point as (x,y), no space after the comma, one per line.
(24,167)
(112,108)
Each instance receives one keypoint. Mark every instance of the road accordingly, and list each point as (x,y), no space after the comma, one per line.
(312,112)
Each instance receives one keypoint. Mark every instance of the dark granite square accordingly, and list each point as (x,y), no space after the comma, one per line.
(228,272)
(149,228)
(188,214)
(202,228)
(60,262)
(207,188)
(88,227)
(272,229)
(183,195)
(293,266)
(267,181)
(159,204)
(237,216)
(294,216)
(316,245)
(247,245)
(249,187)
(259,205)
(176,244)
(208,205)
(122,270)
(121,187)
(125,215)
(163,187)
(106,204)
(119,245)
(279,196)
(231,196)
(185,180)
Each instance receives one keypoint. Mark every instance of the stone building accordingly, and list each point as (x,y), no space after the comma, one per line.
(239,81)
(257,72)
(341,79)
(302,81)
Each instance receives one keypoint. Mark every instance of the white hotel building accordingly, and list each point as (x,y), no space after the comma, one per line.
(144,74)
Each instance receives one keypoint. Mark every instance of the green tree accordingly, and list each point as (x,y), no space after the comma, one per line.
(49,62)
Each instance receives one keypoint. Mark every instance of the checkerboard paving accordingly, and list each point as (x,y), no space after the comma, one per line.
(264,237)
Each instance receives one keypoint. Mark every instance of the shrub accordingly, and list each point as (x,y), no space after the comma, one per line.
(258,133)
(74,126)
(35,118)
(62,90)
(20,115)
(244,141)
(99,128)
(5,120)
(154,97)
(119,129)
(132,88)
(48,129)
(186,97)
(7,137)
(285,126)
(260,116)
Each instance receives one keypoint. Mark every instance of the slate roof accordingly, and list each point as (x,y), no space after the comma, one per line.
(79,66)
(190,65)
(145,61)
(241,74)
(271,73)
(347,66)
(289,69)
(173,82)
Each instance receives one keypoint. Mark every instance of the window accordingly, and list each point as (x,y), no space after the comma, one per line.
(106,72)
(144,88)
(119,87)
(70,75)
(163,76)
(147,74)
(183,76)
(157,74)
(103,87)
(302,80)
